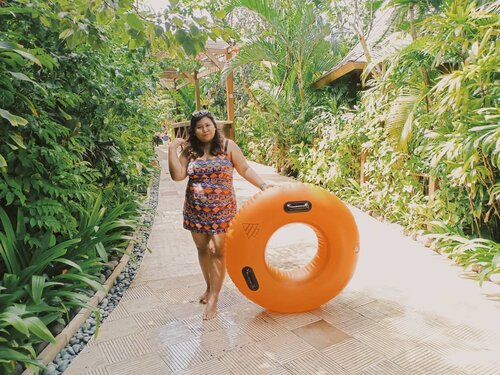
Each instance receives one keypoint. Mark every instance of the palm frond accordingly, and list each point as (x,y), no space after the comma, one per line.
(269,10)
(399,120)
(267,94)
(256,51)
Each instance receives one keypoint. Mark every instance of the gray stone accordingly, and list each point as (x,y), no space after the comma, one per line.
(52,368)
(63,366)
(77,348)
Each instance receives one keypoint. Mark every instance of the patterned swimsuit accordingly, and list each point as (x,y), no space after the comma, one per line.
(210,203)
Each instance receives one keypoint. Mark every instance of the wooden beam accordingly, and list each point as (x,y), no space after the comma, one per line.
(207,72)
(214,59)
(169,74)
(217,51)
(185,83)
(199,76)
(339,72)
(208,64)
(433,186)
(197,90)
(189,76)
(230,99)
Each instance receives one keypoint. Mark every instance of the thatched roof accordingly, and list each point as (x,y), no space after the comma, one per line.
(355,60)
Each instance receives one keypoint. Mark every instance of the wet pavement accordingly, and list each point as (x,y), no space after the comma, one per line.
(407,310)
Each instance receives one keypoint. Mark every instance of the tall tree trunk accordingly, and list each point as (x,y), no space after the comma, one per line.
(300,81)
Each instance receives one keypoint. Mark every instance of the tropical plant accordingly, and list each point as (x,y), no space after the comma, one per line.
(479,252)
(288,55)
(49,281)
(293,45)
(77,80)
(444,129)
(23,289)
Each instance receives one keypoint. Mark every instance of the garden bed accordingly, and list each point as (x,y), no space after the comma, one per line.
(118,275)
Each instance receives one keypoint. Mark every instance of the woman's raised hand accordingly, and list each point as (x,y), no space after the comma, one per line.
(176,143)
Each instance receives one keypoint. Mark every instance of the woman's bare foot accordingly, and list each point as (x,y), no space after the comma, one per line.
(203,298)
(211,308)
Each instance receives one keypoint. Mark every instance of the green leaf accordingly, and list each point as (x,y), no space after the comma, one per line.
(29,102)
(36,326)
(92,283)
(22,77)
(18,140)
(28,56)
(180,36)
(3,162)
(69,263)
(15,321)
(399,121)
(7,354)
(45,21)
(220,14)
(135,22)
(13,119)
(66,33)
(15,10)
(37,286)
(5,44)
(101,251)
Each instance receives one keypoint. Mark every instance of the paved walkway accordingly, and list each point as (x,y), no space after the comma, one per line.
(407,310)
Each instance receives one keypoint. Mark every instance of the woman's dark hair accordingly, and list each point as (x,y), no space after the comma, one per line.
(195,149)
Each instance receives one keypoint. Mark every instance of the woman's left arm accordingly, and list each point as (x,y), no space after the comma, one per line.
(242,167)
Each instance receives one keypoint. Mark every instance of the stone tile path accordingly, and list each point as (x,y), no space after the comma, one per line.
(407,310)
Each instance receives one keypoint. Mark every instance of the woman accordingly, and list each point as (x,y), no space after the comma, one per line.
(208,159)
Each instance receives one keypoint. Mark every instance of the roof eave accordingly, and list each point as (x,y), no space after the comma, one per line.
(341,71)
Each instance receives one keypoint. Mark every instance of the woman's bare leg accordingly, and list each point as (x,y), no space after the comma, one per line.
(217,272)
(202,242)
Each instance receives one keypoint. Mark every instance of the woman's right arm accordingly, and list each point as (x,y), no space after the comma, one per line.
(177,164)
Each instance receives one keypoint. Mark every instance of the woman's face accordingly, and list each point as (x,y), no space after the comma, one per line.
(204,130)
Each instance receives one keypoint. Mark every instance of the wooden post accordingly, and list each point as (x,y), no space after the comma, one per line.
(197,90)
(230,98)
(362,177)
(433,186)
(177,107)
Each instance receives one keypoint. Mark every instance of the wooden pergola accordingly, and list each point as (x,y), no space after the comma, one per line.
(213,59)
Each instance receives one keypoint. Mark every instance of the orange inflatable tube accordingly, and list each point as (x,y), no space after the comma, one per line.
(301,289)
